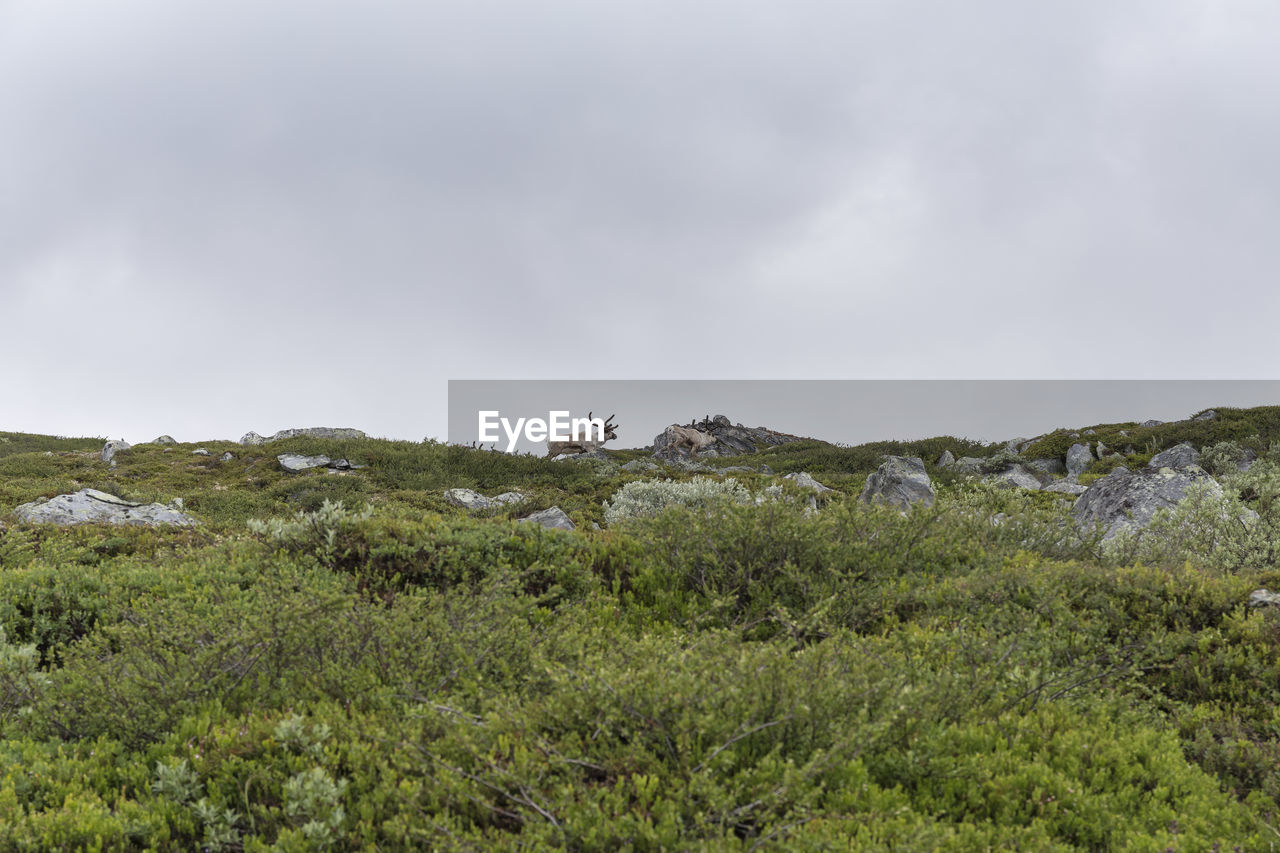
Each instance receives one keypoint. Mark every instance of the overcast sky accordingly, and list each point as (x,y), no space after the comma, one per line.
(218,217)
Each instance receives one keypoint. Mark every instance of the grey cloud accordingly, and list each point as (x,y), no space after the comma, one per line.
(374,198)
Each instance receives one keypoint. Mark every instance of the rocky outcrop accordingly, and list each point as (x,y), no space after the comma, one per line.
(554,518)
(1178,456)
(252,438)
(1151,423)
(1206,415)
(730,439)
(1124,499)
(470,499)
(165,439)
(90,506)
(899,481)
(1078,459)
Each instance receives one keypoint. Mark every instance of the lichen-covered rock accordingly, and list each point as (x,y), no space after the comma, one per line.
(295,463)
(1125,499)
(111,448)
(1178,456)
(554,518)
(946,459)
(165,439)
(470,499)
(899,481)
(1066,487)
(227,457)
(252,439)
(90,506)
(1078,458)
(200,451)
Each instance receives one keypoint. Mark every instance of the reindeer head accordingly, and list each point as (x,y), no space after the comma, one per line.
(609,427)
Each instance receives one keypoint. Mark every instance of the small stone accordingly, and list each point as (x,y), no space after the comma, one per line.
(294,463)
(200,451)
(554,518)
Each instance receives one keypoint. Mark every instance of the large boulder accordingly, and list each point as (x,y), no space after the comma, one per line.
(111,448)
(252,439)
(1078,458)
(899,481)
(90,506)
(1123,499)
(165,439)
(1178,456)
(947,459)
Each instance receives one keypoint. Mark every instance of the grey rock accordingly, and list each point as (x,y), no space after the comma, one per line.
(111,448)
(1078,459)
(1091,432)
(470,499)
(345,465)
(1101,450)
(554,518)
(1246,463)
(947,459)
(1124,432)
(969,464)
(638,465)
(1047,466)
(165,439)
(90,506)
(1178,456)
(228,456)
(736,469)
(1264,598)
(806,481)
(1016,475)
(295,463)
(1125,499)
(1207,415)
(200,451)
(1151,423)
(252,439)
(1066,487)
(899,481)
(1013,445)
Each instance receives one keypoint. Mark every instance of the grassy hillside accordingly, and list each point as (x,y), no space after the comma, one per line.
(397,673)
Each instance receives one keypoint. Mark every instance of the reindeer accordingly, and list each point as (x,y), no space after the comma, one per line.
(555,448)
(694,439)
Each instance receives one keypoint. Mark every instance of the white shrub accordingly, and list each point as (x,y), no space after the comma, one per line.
(646,498)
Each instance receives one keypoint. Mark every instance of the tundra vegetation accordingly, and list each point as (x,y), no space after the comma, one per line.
(342,661)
